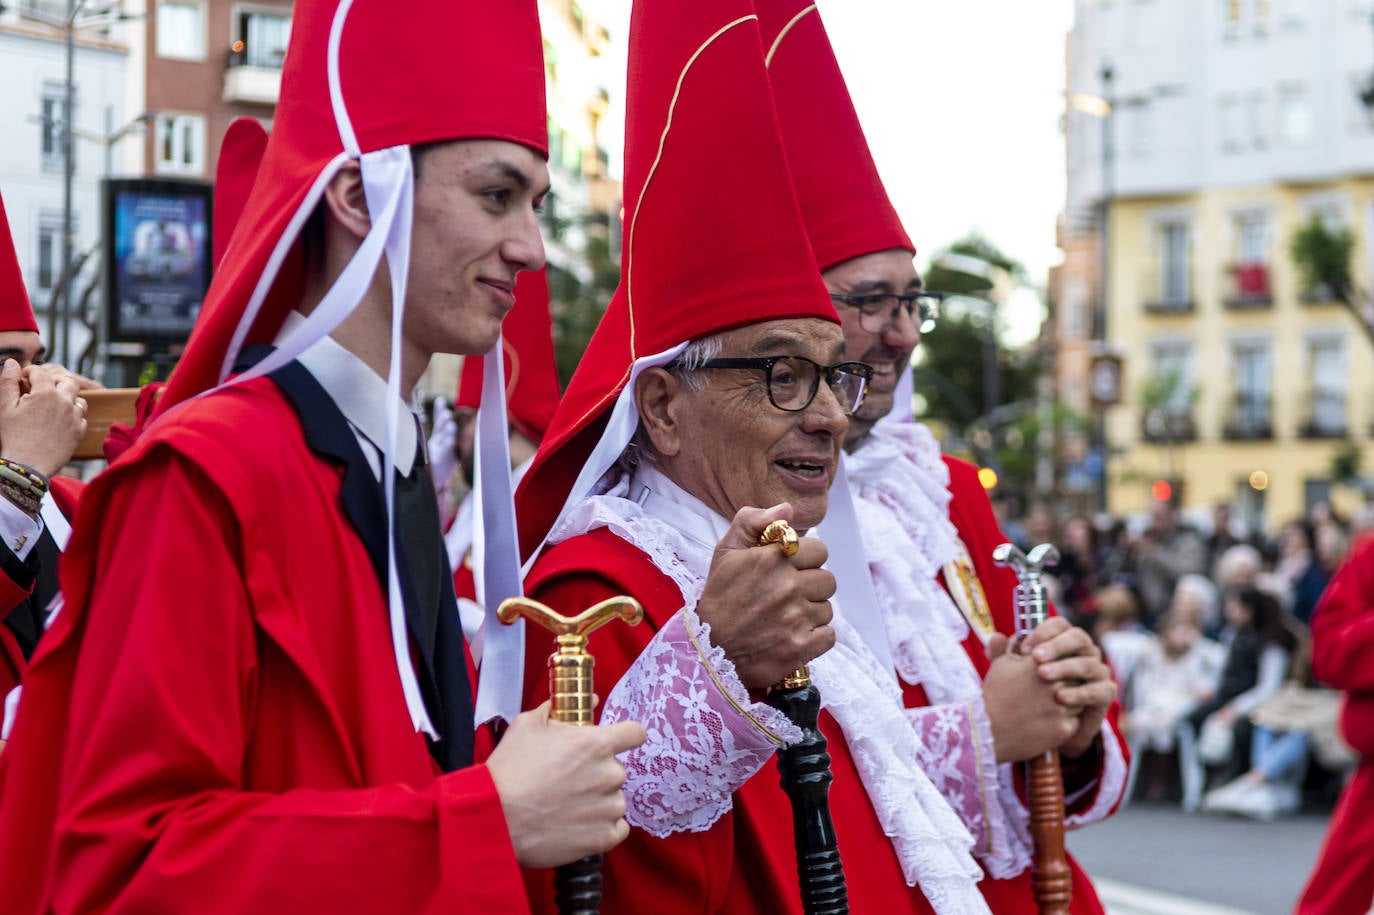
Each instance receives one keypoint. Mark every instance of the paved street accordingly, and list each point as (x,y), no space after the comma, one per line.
(1153,859)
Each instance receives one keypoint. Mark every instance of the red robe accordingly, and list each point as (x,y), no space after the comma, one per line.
(971,511)
(1342,882)
(746,862)
(16,585)
(215,722)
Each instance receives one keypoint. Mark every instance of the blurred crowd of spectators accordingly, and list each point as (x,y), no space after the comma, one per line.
(1207,632)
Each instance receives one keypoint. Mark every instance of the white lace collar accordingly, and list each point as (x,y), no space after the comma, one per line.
(933,846)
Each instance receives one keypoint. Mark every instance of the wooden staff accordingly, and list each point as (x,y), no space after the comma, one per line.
(577,886)
(805,771)
(1051,879)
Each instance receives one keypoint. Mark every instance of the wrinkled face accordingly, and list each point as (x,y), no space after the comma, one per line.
(735,449)
(476,226)
(888,350)
(23,346)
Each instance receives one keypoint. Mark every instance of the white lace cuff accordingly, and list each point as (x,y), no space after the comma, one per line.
(706,737)
(958,755)
(1110,785)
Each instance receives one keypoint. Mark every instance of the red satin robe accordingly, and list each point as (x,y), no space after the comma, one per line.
(1342,883)
(215,722)
(971,511)
(66,492)
(746,862)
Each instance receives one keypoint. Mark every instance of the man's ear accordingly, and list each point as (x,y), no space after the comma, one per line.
(658,398)
(345,200)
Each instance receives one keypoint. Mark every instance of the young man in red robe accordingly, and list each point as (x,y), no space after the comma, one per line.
(922,527)
(42,417)
(256,697)
(712,400)
(1342,882)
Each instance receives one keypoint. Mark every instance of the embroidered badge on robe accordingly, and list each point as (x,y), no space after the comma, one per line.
(962,581)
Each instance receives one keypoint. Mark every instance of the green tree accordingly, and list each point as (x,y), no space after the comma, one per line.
(949,370)
(1323,258)
(577,306)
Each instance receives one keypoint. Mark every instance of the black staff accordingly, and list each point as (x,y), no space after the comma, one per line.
(805,770)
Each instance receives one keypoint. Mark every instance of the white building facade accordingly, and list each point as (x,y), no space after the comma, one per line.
(32,109)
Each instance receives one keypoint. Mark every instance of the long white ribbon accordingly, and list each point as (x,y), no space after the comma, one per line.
(496,550)
(855,598)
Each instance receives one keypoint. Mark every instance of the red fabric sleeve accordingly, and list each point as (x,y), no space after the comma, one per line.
(1343,627)
(687,872)
(169,639)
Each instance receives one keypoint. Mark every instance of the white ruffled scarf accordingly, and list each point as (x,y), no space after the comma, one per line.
(901,494)
(932,844)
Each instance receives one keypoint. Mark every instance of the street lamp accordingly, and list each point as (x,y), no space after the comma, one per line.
(68,25)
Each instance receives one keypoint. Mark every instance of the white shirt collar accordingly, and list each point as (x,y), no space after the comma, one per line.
(360,394)
(661,497)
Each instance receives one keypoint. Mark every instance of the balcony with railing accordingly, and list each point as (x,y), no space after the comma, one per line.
(1167,290)
(1168,425)
(253,74)
(1249,417)
(1247,286)
(1325,415)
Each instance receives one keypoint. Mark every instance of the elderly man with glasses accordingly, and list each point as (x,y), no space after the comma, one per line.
(712,401)
(914,562)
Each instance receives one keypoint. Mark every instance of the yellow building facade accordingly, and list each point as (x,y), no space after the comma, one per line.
(1239,384)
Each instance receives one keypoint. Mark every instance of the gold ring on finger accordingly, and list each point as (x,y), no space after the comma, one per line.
(781,533)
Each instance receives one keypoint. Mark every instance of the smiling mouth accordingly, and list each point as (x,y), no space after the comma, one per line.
(807,469)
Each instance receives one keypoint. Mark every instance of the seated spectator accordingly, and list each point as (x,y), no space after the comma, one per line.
(1195,599)
(1117,630)
(1178,670)
(1259,647)
(1238,568)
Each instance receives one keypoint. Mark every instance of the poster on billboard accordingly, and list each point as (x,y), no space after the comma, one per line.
(157,248)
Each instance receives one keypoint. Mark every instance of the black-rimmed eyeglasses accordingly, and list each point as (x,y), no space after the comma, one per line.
(794,380)
(878,310)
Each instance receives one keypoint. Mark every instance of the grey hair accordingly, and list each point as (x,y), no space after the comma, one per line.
(686,367)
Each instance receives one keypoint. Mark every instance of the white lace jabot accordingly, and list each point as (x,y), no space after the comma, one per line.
(683,777)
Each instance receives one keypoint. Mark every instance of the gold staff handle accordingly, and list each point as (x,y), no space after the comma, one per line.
(577,886)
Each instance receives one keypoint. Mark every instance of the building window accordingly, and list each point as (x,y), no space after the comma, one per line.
(1249,270)
(261,37)
(51,121)
(1175,288)
(180,144)
(1230,19)
(49,250)
(1295,115)
(1251,368)
(1169,412)
(181,30)
(1228,122)
(1255,120)
(1326,360)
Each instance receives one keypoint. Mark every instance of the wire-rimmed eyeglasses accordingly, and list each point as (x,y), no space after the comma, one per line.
(878,310)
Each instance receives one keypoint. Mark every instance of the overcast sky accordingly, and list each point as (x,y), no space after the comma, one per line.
(961,101)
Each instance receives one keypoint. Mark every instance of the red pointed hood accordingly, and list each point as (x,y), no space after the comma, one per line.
(713,237)
(531,372)
(361,78)
(15,311)
(847,210)
(240,155)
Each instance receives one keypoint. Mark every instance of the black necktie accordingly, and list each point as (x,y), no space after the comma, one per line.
(432,617)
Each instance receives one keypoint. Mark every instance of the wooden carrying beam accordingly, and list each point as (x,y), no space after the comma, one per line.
(104,407)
